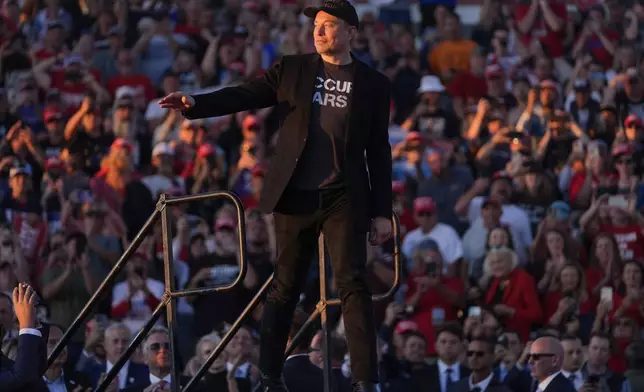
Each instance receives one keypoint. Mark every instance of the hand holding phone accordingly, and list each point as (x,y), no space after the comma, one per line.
(606,296)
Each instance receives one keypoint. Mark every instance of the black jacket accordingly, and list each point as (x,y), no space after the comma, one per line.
(289,85)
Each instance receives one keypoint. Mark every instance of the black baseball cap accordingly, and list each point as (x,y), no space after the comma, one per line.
(341,9)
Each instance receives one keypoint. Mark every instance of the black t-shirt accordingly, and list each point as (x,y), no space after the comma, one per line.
(438,124)
(626,106)
(51,149)
(320,165)
(558,152)
(92,147)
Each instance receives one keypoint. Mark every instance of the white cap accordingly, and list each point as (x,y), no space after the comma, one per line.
(125,91)
(162,149)
(430,84)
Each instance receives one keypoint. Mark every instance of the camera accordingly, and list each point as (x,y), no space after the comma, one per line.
(592,379)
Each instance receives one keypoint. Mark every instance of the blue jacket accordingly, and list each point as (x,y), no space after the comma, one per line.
(22,375)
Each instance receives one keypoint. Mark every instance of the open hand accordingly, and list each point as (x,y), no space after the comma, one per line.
(24,305)
(177,101)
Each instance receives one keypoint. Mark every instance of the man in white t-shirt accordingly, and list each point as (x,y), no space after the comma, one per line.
(448,240)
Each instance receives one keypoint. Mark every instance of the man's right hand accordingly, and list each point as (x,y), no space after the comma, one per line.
(24,304)
(177,101)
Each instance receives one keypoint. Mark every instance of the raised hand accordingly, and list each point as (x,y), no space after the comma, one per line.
(24,305)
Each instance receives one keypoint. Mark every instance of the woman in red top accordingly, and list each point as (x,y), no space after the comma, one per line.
(551,252)
(629,296)
(604,266)
(568,304)
(511,292)
(432,298)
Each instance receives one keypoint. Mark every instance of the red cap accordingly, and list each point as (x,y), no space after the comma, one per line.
(205,150)
(414,137)
(424,204)
(52,112)
(405,326)
(494,71)
(633,121)
(622,149)
(548,83)
(250,121)
(258,171)
(122,143)
(225,223)
(398,186)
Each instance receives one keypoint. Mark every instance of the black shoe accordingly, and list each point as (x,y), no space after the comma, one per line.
(271,385)
(363,386)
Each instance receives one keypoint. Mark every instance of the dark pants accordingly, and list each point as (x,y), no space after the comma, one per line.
(301,217)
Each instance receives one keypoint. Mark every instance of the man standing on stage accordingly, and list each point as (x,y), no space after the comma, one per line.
(331,172)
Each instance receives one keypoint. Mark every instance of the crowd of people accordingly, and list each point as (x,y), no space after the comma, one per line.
(518,146)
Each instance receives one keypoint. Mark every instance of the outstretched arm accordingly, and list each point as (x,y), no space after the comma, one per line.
(257,93)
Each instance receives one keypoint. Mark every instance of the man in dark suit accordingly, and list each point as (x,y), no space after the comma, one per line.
(156,352)
(480,359)
(447,370)
(25,374)
(117,338)
(55,378)
(331,172)
(546,358)
(300,374)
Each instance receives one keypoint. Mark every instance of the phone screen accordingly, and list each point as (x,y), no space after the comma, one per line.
(607,294)
(474,311)
(618,201)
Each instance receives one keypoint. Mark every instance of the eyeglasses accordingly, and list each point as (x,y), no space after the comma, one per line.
(478,354)
(425,214)
(538,356)
(158,346)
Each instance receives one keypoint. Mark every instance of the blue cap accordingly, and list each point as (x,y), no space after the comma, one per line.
(560,210)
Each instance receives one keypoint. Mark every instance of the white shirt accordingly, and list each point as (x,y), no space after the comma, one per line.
(512,215)
(579,378)
(481,384)
(443,370)
(30,331)
(154,379)
(122,376)
(448,240)
(544,384)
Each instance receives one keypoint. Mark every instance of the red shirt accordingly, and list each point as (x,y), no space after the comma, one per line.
(551,303)
(137,81)
(407,222)
(433,307)
(540,31)
(632,312)
(71,94)
(44,54)
(617,360)
(187,29)
(629,238)
(468,87)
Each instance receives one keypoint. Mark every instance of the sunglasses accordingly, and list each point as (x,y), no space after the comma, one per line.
(158,346)
(625,161)
(623,323)
(478,354)
(425,214)
(538,356)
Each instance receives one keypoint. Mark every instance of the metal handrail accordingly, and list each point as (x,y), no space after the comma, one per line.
(170,296)
(320,309)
